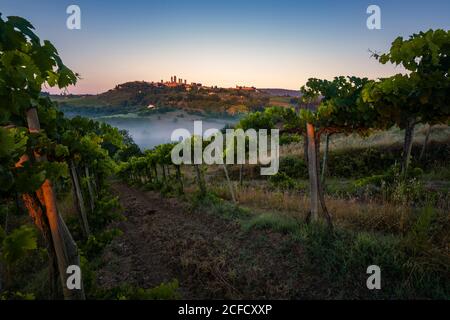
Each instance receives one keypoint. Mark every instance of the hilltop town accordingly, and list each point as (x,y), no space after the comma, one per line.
(177,93)
(183,83)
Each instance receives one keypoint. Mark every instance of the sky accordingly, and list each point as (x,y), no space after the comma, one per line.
(261,43)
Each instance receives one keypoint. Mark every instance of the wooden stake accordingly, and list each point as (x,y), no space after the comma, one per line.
(65,247)
(80,199)
(313,172)
(90,189)
(230,186)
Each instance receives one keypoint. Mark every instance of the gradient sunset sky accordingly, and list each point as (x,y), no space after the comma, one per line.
(276,44)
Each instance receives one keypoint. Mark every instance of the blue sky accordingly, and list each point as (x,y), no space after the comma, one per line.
(262,43)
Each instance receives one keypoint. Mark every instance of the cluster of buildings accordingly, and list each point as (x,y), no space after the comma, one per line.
(176,82)
(245,88)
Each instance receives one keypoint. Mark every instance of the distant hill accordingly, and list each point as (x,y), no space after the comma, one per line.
(281,92)
(145,97)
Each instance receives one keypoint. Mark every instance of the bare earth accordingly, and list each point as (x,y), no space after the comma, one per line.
(211,257)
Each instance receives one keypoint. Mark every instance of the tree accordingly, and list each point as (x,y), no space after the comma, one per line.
(333,107)
(151,161)
(26,65)
(84,139)
(422,95)
(284,119)
(163,158)
(129,149)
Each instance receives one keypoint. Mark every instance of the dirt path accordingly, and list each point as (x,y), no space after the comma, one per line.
(211,257)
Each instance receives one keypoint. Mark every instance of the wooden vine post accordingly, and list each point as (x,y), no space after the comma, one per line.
(66,250)
(313,172)
(79,199)
(200,179)
(230,185)
(90,188)
(316,187)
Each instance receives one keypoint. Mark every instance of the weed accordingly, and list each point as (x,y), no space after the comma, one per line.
(211,203)
(165,291)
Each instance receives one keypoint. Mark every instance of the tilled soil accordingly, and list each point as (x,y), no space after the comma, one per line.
(211,257)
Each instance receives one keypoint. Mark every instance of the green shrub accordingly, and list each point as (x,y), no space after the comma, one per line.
(212,204)
(272,221)
(393,187)
(170,187)
(154,185)
(407,191)
(107,210)
(361,162)
(344,256)
(17,295)
(289,138)
(89,277)
(96,243)
(410,269)
(293,167)
(16,244)
(416,172)
(165,291)
(282,181)
(376,180)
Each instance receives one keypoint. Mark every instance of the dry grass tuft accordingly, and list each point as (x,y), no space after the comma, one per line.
(383,217)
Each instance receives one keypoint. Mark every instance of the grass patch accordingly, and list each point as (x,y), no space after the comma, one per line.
(212,204)
(273,222)
(412,266)
(165,291)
